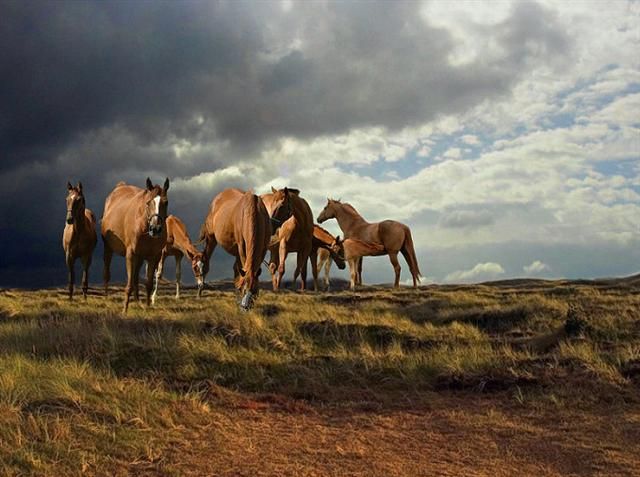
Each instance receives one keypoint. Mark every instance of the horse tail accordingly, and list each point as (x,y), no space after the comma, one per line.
(250,238)
(202,236)
(409,253)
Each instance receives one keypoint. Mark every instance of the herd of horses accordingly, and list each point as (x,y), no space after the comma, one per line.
(135,225)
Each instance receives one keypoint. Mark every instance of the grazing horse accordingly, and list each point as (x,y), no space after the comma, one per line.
(133,225)
(325,248)
(295,234)
(239,222)
(393,236)
(79,237)
(178,245)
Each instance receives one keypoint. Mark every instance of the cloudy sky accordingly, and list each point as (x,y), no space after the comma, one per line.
(505,134)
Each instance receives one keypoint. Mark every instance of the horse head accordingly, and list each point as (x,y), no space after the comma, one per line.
(198,267)
(329,211)
(281,208)
(156,207)
(75,202)
(336,249)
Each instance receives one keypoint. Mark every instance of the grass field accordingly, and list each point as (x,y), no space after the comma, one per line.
(521,377)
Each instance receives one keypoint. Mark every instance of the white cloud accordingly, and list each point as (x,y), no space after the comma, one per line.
(536,267)
(481,272)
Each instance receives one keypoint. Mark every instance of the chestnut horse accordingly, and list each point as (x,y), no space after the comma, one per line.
(178,245)
(295,234)
(239,222)
(393,236)
(79,237)
(133,225)
(325,248)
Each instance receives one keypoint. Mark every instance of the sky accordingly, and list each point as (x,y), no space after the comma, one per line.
(505,134)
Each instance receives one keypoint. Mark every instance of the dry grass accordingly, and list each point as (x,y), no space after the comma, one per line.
(542,377)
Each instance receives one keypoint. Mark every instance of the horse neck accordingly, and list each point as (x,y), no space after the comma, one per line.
(348,219)
(80,225)
(324,237)
(184,244)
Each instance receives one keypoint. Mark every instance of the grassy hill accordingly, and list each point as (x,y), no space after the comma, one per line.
(535,377)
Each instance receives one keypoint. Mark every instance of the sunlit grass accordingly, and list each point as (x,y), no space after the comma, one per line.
(84,387)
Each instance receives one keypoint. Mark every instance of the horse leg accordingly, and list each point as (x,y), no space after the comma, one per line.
(393,257)
(302,258)
(106,273)
(152,265)
(313,256)
(359,277)
(407,258)
(283,258)
(327,268)
(86,263)
(273,268)
(136,279)
(208,252)
(72,277)
(156,283)
(131,260)
(353,270)
(178,275)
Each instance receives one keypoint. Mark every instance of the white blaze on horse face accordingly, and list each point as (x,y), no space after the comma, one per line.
(156,201)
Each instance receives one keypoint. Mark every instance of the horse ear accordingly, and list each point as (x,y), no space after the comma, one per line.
(337,239)
(166,184)
(273,189)
(149,184)
(80,186)
(69,186)
(286,191)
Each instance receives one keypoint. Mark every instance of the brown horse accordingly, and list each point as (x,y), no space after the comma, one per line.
(178,245)
(393,236)
(79,237)
(295,234)
(325,248)
(239,222)
(133,225)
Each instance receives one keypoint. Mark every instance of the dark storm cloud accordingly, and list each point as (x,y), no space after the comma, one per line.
(250,71)
(103,91)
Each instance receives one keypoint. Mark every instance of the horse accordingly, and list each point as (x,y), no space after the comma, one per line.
(133,225)
(79,236)
(295,234)
(178,245)
(393,236)
(354,250)
(240,223)
(326,248)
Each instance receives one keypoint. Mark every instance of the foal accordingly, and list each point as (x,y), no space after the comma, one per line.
(326,248)
(178,245)
(79,237)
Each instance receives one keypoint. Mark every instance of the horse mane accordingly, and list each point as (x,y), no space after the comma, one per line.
(350,208)
(121,183)
(323,229)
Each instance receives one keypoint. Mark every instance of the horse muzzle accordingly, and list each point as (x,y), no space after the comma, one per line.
(320,219)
